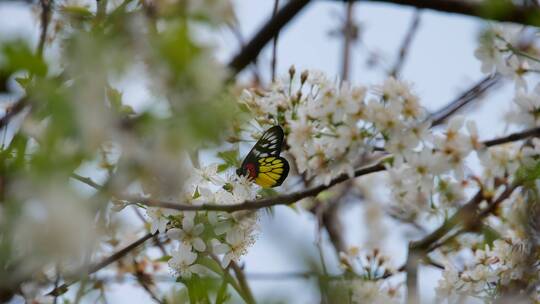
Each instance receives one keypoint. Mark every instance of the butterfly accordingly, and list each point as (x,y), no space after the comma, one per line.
(263,163)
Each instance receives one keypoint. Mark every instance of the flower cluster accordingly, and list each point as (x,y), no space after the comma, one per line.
(492,268)
(511,51)
(527,110)
(333,126)
(195,233)
(501,50)
(369,271)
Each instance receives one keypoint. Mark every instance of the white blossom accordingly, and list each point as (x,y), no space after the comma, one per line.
(183,262)
(190,233)
(158,218)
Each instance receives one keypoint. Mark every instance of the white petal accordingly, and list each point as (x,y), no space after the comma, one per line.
(162,225)
(198,229)
(222,228)
(187,222)
(154,227)
(175,234)
(226,260)
(221,248)
(199,244)
(199,269)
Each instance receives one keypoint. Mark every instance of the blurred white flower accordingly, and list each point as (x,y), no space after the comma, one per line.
(530,154)
(208,174)
(56,227)
(364,291)
(527,113)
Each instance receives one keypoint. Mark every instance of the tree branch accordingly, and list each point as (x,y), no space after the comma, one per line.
(145,281)
(251,50)
(106,262)
(12,111)
(511,12)
(534,132)
(274,44)
(45,18)
(404,49)
(349,33)
(284,199)
(462,100)
(468,215)
(86,180)
(243,283)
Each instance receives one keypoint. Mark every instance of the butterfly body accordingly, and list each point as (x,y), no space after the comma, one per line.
(263,164)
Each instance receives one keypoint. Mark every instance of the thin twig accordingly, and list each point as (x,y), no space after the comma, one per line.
(45,19)
(534,132)
(12,111)
(262,276)
(467,215)
(106,262)
(449,224)
(86,180)
(56,282)
(275,41)
(462,100)
(348,35)
(240,39)
(228,277)
(406,44)
(243,282)
(142,277)
(284,199)
(252,49)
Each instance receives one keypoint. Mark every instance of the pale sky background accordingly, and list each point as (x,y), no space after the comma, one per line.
(441,64)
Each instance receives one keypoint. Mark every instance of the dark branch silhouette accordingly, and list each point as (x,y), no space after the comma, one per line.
(512,12)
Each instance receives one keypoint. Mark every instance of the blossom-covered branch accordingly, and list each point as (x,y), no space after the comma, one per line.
(286,199)
(468,216)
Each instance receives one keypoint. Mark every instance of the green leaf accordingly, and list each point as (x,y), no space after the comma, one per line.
(197,194)
(199,288)
(23,81)
(527,175)
(223,167)
(59,291)
(164,258)
(267,192)
(490,235)
(210,264)
(18,56)
(77,13)
(115,98)
(230,158)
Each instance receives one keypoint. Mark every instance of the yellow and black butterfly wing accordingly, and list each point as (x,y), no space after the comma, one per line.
(269,144)
(264,158)
(271,171)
